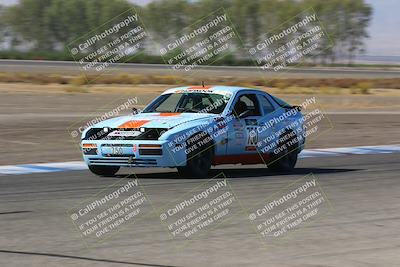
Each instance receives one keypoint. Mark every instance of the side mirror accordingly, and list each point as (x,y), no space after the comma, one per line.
(135,111)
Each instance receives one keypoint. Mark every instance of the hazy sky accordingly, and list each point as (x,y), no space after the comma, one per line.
(384,29)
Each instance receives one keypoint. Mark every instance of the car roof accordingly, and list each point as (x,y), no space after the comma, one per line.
(217,88)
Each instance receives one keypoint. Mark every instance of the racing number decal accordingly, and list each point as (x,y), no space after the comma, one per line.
(252,138)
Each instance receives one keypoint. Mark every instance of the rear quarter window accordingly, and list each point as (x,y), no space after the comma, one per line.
(280,102)
(266,105)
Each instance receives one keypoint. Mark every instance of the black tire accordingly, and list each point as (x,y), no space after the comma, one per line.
(286,159)
(199,159)
(104,170)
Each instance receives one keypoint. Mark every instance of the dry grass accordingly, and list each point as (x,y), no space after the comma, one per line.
(285,86)
(363,87)
(78,80)
(76,89)
(33,78)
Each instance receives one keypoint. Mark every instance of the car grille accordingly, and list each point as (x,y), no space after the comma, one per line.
(99,134)
(123,161)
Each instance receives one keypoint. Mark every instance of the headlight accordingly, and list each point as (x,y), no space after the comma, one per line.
(142,130)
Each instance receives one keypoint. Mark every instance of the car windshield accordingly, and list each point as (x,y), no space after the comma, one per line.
(189,102)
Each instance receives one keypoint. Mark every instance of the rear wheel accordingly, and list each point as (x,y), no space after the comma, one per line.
(286,159)
(199,158)
(104,170)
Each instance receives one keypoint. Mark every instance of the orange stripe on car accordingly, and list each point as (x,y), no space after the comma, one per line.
(199,88)
(133,124)
(89,145)
(167,114)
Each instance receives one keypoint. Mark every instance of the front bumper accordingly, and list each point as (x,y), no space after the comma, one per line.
(132,153)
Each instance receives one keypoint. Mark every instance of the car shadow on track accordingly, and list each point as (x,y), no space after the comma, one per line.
(238,173)
(261,172)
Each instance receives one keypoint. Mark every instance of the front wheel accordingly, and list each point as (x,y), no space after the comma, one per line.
(102,170)
(198,162)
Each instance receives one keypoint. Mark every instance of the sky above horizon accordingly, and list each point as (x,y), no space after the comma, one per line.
(384,29)
(384,33)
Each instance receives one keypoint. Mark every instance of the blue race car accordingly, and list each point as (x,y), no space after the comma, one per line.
(193,128)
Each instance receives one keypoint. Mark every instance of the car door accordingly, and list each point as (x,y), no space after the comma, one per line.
(243,129)
(268,126)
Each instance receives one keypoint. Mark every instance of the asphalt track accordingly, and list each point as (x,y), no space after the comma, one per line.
(69,67)
(360,230)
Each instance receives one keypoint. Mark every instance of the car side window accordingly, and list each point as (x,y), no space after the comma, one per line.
(266,105)
(247,102)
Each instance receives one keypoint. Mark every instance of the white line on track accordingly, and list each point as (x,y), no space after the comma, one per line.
(307,153)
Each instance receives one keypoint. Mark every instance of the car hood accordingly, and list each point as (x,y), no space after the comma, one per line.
(153,120)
